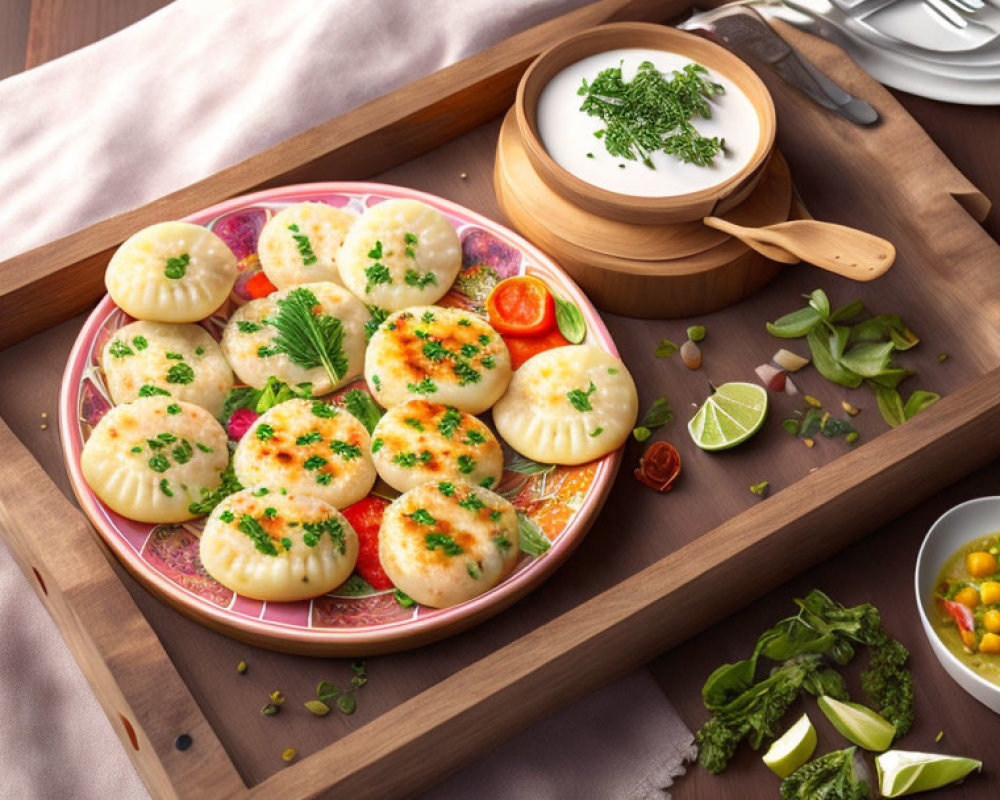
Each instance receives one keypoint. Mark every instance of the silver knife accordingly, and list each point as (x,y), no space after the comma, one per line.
(745,32)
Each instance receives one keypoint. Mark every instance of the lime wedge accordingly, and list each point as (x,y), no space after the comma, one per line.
(731,415)
(901,772)
(858,724)
(793,749)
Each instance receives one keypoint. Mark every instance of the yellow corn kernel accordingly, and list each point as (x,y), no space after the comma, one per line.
(989,592)
(991,620)
(981,563)
(968,597)
(990,643)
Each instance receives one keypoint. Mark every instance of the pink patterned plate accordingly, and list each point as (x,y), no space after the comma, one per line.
(353,619)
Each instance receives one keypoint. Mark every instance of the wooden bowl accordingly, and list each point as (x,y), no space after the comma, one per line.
(767,204)
(716,199)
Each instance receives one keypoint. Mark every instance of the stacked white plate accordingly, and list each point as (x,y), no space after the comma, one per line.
(947,50)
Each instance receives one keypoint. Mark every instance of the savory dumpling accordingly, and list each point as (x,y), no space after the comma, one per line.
(446,542)
(308,447)
(151,459)
(171,272)
(446,355)
(568,405)
(145,359)
(257,349)
(418,441)
(400,253)
(278,547)
(300,243)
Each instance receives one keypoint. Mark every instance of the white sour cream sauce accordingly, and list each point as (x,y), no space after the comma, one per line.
(567,133)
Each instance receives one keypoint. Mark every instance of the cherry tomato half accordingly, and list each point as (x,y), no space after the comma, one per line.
(365,517)
(259,286)
(521,306)
(524,347)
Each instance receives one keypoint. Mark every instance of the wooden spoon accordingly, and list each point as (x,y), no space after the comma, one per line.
(846,251)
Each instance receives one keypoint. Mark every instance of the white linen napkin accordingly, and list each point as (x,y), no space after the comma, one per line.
(195,87)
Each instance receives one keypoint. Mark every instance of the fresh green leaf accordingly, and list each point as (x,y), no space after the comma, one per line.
(834,776)
(659,414)
(890,378)
(525,466)
(308,337)
(362,406)
(867,359)
(821,303)
(890,404)
(570,320)
(531,538)
(918,401)
(848,312)
(829,367)
(796,324)
(641,434)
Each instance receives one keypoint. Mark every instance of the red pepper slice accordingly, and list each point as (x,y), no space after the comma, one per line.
(258,286)
(524,347)
(659,466)
(522,306)
(963,619)
(365,517)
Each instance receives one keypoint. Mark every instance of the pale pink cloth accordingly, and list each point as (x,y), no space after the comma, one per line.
(193,88)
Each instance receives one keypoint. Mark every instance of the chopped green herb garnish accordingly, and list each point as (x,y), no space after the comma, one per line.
(488,362)
(473,569)
(426,386)
(324,478)
(450,547)
(182,452)
(345,450)
(377,274)
(176,267)
(422,517)
(286,543)
(165,488)
(261,491)
(466,464)
(465,323)
(323,410)
(180,373)
(198,351)
(410,238)
(262,542)
(414,423)
(175,356)
(487,482)
(653,113)
(173,408)
(265,432)
(473,438)
(376,316)
(471,502)
(449,422)
(376,251)
(148,390)
(159,463)
(309,438)
(246,326)
(404,600)
(119,349)
(414,278)
(314,462)
(270,512)
(140,343)
(137,449)
(226,516)
(303,245)
(446,488)
(597,431)
(377,445)
(465,373)
(331,527)
(434,351)
(580,399)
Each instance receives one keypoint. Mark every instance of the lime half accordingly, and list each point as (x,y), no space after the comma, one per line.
(858,724)
(793,749)
(901,772)
(731,415)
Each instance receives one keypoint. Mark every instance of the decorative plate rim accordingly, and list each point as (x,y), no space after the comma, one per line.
(395,632)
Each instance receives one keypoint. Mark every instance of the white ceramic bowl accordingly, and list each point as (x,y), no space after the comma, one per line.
(954,529)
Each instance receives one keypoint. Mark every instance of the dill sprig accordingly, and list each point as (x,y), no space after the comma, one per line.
(652,112)
(309,337)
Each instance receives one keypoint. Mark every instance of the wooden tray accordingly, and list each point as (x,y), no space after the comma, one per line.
(649,573)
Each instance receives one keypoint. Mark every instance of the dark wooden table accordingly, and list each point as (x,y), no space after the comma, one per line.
(879,569)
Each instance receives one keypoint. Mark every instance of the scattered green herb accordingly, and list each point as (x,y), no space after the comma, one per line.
(665,349)
(834,776)
(148,390)
(696,333)
(376,316)
(760,489)
(580,400)
(303,245)
(651,113)
(363,407)
(659,414)
(180,373)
